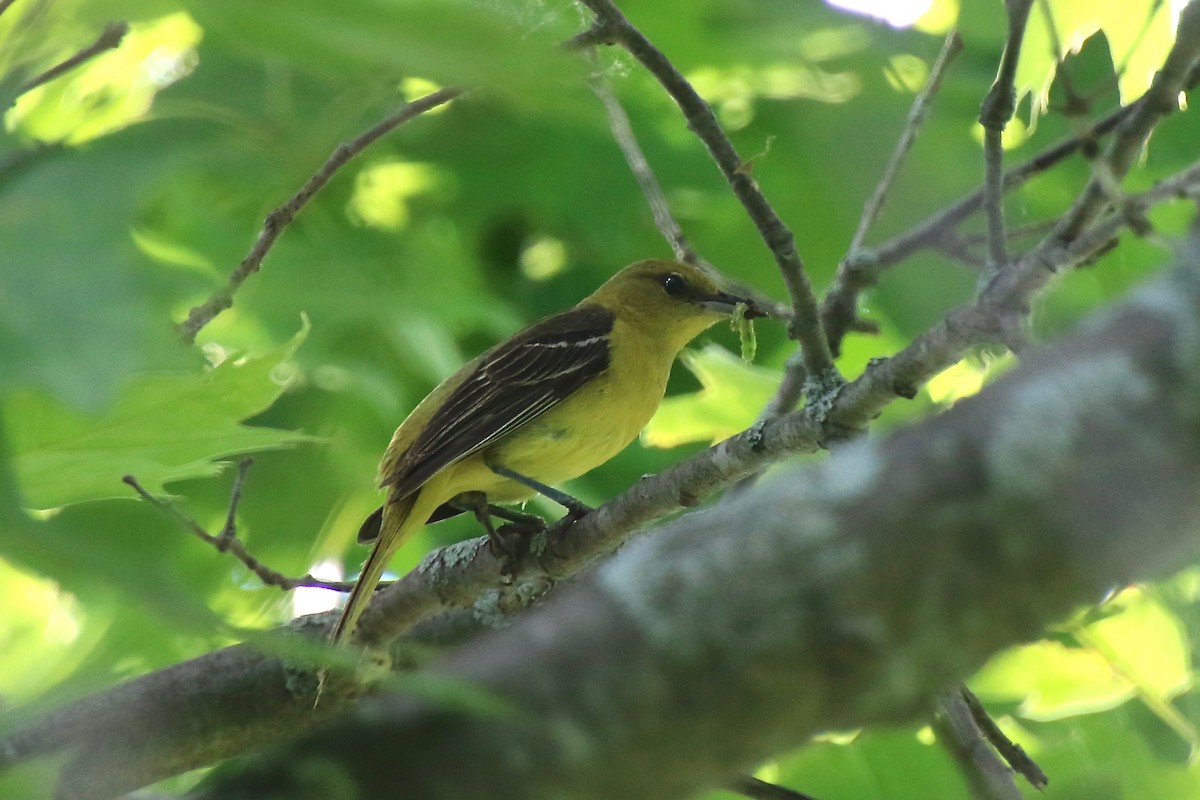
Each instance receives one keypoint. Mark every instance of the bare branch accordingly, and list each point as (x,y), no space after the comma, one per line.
(109,39)
(839,312)
(989,777)
(998,108)
(1010,751)
(622,131)
(857,273)
(661,209)
(613,26)
(1182,185)
(228,542)
(912,126)
(279,219)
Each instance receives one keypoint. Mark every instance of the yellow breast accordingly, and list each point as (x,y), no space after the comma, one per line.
(586,429)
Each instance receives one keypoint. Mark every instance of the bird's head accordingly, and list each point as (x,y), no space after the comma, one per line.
(677,300)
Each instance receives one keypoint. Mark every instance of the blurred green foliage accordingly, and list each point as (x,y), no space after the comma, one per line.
(132,186)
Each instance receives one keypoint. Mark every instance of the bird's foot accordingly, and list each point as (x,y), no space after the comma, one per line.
(512,540)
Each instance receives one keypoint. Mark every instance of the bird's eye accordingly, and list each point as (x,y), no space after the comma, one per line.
(674,285)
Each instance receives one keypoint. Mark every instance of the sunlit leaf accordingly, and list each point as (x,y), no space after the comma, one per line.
(966,378)
(1139,32)
(113,89)
(1138,651)
(1052,680)
(732,396)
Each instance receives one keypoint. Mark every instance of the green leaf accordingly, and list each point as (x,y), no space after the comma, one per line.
(80,311)
(162,428)
(1139,32)
(1051,681)
(732,396)
(1139,651)
(450,42)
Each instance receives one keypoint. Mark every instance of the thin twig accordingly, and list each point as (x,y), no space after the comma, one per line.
(912,126)
(227,541)
(957,246)
(659,207)
(229,529)
(858,273)
(790,390)
(870,263)
(1011,233)
(805,327)
(1009,750)
(1004,303)
(109,39)
(278,219)
(755,789)
(622,131)
(997,109)
(1182,185)
(839,312)
(989,777)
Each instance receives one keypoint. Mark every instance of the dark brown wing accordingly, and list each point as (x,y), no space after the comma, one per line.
(514,383)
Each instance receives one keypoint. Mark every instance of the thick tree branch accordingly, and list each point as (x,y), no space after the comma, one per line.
(818,600)
(279,219)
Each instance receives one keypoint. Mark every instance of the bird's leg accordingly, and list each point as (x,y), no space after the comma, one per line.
(521,519)
(500,541)
(518,520)
(575,508)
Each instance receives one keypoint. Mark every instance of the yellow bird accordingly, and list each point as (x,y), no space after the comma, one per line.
(548,404)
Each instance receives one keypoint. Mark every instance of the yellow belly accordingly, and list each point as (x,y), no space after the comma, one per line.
(579,434)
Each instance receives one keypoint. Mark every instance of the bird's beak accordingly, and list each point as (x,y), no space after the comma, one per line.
(724,303)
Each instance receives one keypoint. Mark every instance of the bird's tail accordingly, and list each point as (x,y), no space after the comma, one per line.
(398,524)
